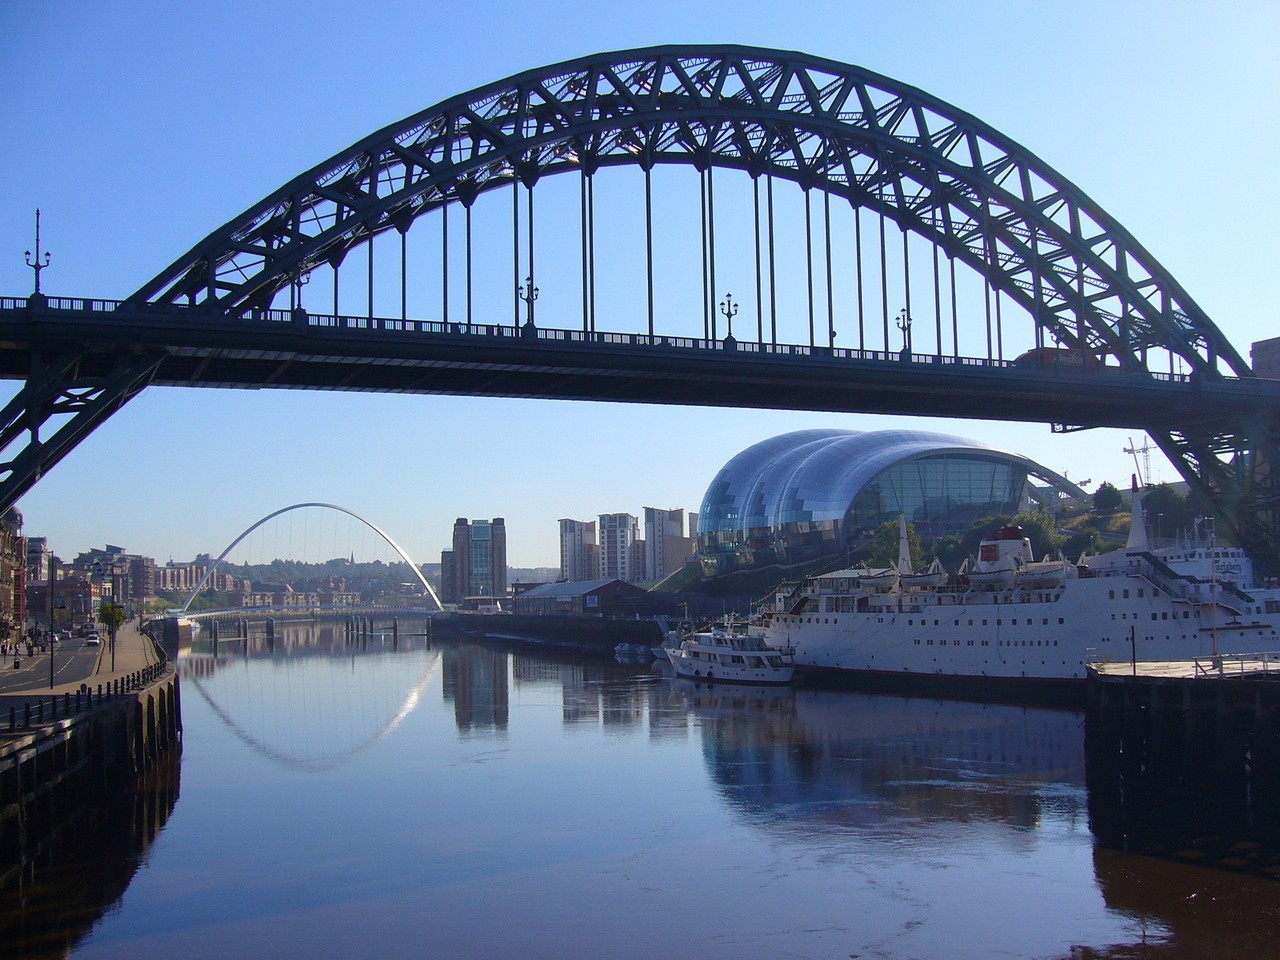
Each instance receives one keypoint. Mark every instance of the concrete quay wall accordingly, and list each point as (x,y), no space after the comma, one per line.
(66,753)
(1186,767)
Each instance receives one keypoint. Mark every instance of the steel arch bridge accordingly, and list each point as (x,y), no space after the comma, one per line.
(1089,292)
(325,506)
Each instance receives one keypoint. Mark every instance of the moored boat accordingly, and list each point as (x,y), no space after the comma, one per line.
(731,653)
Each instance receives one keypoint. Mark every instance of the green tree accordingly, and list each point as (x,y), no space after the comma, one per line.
(1168,512)
(110,616)
(883,548)
(1038,526)
(1107,499)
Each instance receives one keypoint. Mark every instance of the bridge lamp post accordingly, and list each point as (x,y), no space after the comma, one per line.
(529,294)
(61,606)
(730,310)
(904,324)
(35,264)
(111,623)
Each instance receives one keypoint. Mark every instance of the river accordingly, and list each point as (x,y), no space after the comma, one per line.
(396,797)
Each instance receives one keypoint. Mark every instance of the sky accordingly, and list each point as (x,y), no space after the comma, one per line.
(139,128)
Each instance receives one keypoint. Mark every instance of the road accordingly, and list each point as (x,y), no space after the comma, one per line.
(74,662)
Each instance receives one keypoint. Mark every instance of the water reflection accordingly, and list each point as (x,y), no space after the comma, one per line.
(475,679)
(844,759)
(287,713)
(492,802)
(85,869)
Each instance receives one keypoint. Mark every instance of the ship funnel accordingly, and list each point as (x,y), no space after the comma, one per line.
(904,546)
(1138,540)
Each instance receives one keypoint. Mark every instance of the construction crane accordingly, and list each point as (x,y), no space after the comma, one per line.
(1144,471)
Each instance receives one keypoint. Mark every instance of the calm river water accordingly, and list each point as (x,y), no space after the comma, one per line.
(464,801)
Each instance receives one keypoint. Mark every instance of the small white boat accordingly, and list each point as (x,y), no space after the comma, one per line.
(730,654)
(878,578)
(1044,573)
(934,577)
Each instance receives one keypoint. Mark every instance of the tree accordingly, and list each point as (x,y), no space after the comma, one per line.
(110,616)
(1168,512)
(883,548)
(1107,499)
(1038,525)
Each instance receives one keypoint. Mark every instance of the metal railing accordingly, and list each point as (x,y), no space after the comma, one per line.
(1238,665)
(320,322)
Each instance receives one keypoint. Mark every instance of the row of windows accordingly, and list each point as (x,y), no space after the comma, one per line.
(985,643)
(1028,621)
(1163,615)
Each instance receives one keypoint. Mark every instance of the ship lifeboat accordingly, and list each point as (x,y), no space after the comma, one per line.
(1043,573)
(932,578)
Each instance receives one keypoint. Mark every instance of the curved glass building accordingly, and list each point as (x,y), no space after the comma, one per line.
(814,493)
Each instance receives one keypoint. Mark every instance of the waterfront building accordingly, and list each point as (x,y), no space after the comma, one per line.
(619,533)
(132,576)
(579,551)
(13,574)
(811,494)
(606,597)
(449,589)
(38,559)
(666,545)
(479,560)
(184,577)
(1265,356)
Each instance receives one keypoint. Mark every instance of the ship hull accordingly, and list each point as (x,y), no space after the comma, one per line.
(1027,635)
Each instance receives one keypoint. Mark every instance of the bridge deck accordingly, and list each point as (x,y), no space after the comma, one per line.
(278,349)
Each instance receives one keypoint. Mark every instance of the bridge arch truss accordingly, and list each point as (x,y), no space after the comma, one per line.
(327,506)
(898,153)
(879,144)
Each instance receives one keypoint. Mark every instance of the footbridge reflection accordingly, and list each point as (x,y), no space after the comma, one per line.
(312,698)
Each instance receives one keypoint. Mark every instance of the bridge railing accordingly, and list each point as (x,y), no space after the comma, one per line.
(365,324)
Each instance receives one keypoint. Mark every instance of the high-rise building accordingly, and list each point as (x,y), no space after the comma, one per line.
(479,559)
(579,552)
(37,558)
(666,545)
(618,535)
(449,577)
(13,574)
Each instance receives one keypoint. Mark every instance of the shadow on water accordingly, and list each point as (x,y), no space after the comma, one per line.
(83,870)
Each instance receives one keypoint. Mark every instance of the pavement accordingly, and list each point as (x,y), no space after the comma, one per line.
(74,663)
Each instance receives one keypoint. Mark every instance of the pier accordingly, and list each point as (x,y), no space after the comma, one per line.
(1189,751)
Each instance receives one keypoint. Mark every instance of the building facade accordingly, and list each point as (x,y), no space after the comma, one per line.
(609,597)
(815,493)
(13,574)
(579,552)
(619,534)
(666,545)
(479,561)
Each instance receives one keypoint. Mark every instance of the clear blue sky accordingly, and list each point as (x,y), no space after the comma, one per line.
(138,128)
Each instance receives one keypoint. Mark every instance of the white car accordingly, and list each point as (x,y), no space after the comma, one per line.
(92,640)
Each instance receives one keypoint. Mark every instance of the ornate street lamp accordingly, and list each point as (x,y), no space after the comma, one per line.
(904,324)
(35,264)
(730,310)
(528,293)
(111,621)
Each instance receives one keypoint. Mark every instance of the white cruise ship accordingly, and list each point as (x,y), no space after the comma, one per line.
(1007,617)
